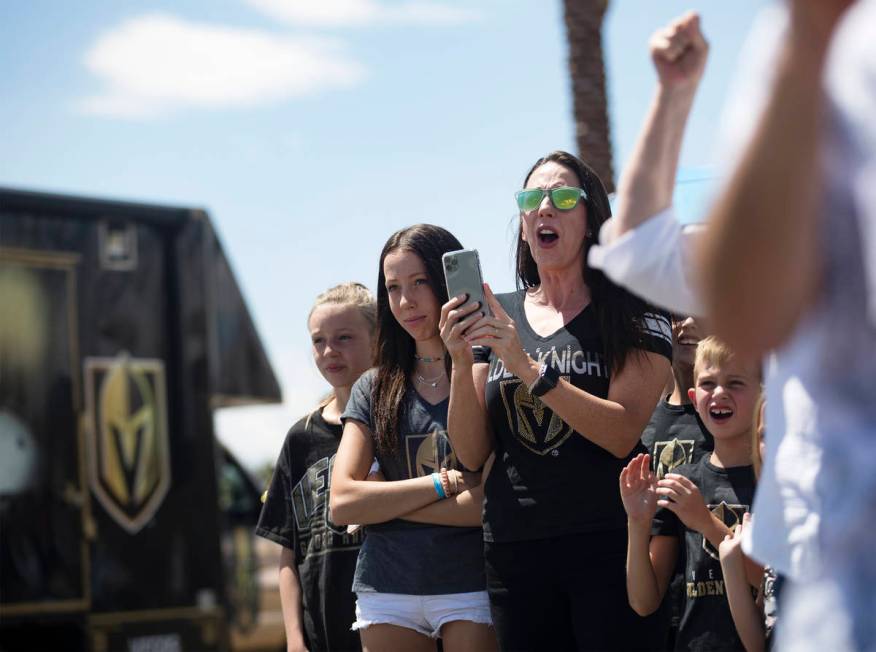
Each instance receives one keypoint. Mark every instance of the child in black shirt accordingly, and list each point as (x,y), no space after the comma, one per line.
(699,504)
(319,556)
(675,435)
(754,615)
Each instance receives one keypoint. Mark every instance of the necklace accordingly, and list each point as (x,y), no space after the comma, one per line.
(431,382)
(426,358)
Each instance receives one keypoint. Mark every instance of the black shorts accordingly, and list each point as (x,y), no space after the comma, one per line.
(565,593)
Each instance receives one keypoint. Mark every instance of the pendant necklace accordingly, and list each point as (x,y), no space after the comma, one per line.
(426,358)
(433,382)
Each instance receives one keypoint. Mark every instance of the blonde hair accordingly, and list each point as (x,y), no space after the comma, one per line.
(757,431)
(350,294)
(715,352)
(347,294)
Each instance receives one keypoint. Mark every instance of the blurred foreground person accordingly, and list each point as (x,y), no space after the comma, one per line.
(318,557)
(797,222)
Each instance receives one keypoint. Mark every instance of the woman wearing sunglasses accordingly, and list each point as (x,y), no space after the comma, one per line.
(567,374)
(420,572)
(559,384)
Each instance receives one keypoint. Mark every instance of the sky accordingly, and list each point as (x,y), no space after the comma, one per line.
(310,130)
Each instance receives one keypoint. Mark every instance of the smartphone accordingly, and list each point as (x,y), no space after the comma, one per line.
(462,271)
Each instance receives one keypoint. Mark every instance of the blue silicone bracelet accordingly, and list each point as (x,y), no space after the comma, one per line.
(439,489)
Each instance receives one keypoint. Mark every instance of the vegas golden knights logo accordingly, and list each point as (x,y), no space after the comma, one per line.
(536,426)
(127,435)
(729,515)
(672,454)
(428,453)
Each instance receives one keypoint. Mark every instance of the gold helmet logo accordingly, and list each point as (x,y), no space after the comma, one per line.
(537,426)
(130,463)
(673,454)
(729,515)
(433,453)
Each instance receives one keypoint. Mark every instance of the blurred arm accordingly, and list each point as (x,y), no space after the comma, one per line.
(761,264)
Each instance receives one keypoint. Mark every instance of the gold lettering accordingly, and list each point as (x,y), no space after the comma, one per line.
(702,589)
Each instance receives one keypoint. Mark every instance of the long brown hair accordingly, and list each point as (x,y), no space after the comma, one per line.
(395,347)
(620,315)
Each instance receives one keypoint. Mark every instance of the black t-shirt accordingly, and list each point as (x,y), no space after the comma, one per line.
(706,622)
(415,558)
(547,479)
(675,435)
(296,515)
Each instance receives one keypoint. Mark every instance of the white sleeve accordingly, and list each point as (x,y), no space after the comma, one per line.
(851,84)
(865,196)
(653,261)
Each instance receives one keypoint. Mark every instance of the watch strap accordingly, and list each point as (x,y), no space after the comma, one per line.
(547,379)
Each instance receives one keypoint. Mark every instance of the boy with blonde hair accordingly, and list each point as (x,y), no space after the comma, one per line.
(690,511)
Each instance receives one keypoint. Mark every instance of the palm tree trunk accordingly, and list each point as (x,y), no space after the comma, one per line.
(587,70)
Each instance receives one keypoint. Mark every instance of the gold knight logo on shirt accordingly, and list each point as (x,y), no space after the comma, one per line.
(729,515)
(671,454)
(535,425)
(427,453)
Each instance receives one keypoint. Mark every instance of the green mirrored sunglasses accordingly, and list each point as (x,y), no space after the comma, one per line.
(564,198)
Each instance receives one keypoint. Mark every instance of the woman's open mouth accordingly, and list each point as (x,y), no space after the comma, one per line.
(547,236)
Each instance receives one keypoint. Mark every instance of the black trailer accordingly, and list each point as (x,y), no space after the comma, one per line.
(121,329)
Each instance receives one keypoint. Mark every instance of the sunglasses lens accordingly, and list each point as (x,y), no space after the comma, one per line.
(565,199)
(528,200)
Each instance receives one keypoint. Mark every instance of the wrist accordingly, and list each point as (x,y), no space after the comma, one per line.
(677,96)
(639,526)
(803,60)
(525,368)
(438,486)
(460,364)
(704,524)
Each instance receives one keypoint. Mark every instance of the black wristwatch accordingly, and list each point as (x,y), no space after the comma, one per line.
(546,381)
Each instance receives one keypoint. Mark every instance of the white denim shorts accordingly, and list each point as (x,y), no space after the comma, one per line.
(425,614)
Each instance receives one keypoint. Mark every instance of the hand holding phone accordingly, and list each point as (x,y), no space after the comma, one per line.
(462,272)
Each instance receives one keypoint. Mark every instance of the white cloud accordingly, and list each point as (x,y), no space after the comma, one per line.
(340,13)
(156,64)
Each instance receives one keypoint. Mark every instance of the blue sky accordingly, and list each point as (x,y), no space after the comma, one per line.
(312,129)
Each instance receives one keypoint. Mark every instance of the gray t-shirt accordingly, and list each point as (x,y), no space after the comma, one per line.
(414,558)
